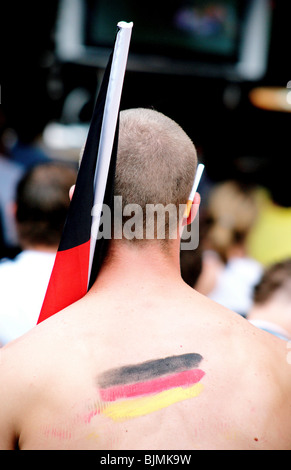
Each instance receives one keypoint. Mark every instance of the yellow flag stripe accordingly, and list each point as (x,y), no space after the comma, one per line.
(133,408)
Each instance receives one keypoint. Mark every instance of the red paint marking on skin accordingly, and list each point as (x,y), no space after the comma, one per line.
(88,417)
(182,379)
(56,433)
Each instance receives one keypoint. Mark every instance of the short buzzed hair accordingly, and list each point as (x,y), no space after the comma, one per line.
(156,161)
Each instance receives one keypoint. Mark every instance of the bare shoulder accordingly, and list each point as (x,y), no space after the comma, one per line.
(21,359)
(248,375)
(15,368)
(269,381)
(37,373)
(248,344)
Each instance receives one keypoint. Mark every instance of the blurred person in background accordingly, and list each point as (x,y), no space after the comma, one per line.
(271,310)
(41,206)
(228,272)
(10,174)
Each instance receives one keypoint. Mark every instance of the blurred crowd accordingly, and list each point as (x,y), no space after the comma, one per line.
(243,260)
(244,256)
(34,200)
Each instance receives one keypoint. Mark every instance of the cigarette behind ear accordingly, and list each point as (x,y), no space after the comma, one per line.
(197,179)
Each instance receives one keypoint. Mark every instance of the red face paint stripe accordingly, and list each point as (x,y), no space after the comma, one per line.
(182,379)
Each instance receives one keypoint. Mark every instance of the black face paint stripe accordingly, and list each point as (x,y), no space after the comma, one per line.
(149,370)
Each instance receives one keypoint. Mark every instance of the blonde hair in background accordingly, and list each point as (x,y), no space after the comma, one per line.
(232,210)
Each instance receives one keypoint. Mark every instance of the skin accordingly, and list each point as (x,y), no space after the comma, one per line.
(139,310)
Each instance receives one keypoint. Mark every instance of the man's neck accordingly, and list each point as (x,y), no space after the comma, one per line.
(135,265)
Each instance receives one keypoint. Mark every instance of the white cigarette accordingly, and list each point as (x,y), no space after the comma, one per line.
(197,179)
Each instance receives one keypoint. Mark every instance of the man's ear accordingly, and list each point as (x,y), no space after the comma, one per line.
(71,192)
(192,210)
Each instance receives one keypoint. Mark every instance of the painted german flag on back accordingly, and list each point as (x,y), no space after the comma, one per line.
(137,390)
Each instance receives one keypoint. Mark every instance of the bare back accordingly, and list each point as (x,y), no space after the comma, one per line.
(179,372)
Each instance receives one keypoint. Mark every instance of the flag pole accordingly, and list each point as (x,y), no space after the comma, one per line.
(108,130)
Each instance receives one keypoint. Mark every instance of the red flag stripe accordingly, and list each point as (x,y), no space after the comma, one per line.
(68,281)
(182,379)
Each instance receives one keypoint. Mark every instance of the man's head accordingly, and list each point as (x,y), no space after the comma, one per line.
(275,284)
(156,164)
(272,297)
(42,202)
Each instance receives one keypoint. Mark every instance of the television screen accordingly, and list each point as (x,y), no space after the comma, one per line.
(173,28)
(172,36)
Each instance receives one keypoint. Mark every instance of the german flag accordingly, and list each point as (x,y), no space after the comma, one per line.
(138,390)
(80,254)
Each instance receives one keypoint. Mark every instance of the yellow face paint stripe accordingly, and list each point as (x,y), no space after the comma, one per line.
(133,408)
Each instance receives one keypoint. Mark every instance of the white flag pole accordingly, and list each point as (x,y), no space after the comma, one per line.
(110,117)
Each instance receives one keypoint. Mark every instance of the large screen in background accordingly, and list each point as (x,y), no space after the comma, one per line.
(217,37)
(173,28)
